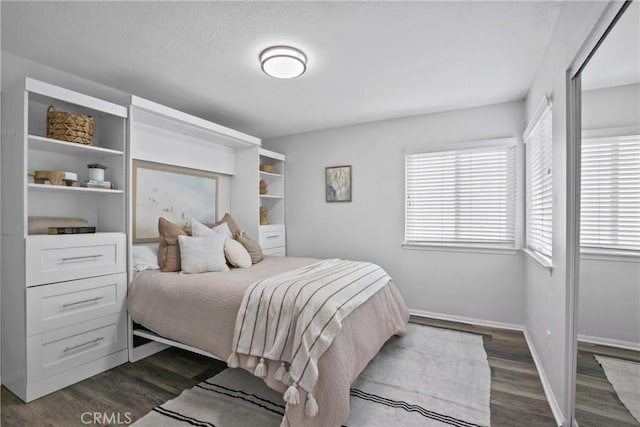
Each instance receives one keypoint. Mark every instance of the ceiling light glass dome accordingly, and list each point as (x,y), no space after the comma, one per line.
(283,62)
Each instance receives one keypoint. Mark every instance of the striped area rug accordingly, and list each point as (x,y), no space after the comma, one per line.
(429,377)
(624,376)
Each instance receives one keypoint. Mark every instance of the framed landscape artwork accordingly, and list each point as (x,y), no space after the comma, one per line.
(338,184)
(178,194)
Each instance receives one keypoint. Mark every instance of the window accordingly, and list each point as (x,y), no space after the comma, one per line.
(610,193)
(538,161)
(461,196)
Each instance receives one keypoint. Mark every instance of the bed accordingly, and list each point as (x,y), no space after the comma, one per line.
(200,310)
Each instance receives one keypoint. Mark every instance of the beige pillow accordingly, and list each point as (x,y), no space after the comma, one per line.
(169,249)
(233,227)
(254,249)
(236,254)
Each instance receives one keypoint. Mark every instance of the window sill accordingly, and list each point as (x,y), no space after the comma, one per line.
(609,255)
(542,261)
(487,249)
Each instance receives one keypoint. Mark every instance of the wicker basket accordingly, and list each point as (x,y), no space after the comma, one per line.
(268,168)
(69,127)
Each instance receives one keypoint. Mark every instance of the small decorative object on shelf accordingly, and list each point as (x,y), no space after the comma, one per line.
(54,177)
(263,187)
(71,230)
(97,184)
(264,220)
(96,171)
(69,127)
(268,168)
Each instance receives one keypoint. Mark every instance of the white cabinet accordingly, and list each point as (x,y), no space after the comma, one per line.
(247,206)
(63,296)
(272,239)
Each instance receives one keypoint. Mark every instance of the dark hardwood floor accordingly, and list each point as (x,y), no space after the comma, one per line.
(133,389)
(597,404)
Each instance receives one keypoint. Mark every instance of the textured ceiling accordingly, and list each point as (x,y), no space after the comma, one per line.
(367,60)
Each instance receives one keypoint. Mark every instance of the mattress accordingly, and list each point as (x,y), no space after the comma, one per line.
(200,310)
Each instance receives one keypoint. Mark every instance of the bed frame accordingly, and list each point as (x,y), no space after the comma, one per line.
(157,343)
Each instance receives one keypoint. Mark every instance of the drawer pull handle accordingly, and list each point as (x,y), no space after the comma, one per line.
(69,304)
(74,258)
(273,237)
(73,347)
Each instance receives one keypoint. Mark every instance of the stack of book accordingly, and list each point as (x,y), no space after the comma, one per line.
(71,230)
(92,183)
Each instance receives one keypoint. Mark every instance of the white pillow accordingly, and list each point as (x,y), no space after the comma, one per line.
(144,258)
(198,229)
(236,254)
(200,254)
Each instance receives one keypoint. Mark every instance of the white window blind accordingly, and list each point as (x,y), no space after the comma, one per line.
(610,193)
(538,140)
(461,196)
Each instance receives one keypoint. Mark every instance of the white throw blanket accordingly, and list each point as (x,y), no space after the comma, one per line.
(293,318)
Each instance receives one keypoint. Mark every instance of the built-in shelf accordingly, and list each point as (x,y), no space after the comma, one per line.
(270,196)
(41,143)
(50,94)
(65,188)
(156,115)
(279,175)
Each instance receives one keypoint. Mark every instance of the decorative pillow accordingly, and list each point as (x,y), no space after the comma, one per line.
(201,254)
(254,249)
(200,230)
(169,249)
(144,258)
(236,254)
(233,227)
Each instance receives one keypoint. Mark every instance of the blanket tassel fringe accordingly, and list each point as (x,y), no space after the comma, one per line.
(252,361)
(232,361)
(286,378)
(279,375)
(292,396)
(261,369)
(311,408)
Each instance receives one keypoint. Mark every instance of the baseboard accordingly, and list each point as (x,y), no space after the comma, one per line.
(626,345)
(471,320)
(546,385)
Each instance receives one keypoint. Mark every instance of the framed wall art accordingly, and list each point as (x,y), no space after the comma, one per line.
(176,193)
(338,184)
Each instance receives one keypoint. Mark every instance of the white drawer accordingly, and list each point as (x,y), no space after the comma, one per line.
(63,304)
(271,236)
(280,251)
(63,349)
(53,259)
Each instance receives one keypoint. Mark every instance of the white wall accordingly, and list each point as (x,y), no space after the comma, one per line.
(546,294)
(609,290)
(371,227)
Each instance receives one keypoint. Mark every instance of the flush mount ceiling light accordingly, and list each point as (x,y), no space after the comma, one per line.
(283,62)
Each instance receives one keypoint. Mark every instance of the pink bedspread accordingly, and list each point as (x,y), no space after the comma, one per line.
(200,310)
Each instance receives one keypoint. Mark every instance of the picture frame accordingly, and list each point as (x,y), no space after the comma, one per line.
(338,184)
(175,193)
